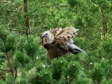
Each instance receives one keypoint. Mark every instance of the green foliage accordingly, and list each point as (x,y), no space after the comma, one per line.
(23,60)
(73,2)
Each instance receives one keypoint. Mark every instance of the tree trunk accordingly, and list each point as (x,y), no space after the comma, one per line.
(26,18)
(104,28)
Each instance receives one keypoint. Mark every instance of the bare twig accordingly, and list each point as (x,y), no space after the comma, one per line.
(26,18)
(104,29)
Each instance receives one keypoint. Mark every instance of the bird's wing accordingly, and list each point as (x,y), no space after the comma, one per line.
(63,35)
(74,48)
(59,35)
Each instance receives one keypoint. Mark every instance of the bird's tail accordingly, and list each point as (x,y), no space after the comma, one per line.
(75,49)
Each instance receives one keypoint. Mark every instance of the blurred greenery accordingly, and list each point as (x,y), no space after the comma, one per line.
(23,60)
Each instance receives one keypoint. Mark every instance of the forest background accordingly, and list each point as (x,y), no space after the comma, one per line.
(23,60)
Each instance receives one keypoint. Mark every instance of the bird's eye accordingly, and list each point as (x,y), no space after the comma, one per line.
(46,35)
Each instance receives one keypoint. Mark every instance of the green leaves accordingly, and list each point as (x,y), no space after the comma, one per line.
(73,3)
(101,3)
(29,63)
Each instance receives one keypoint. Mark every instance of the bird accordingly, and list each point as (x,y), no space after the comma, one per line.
(59,41)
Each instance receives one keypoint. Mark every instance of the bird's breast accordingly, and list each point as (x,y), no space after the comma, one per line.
(54,52)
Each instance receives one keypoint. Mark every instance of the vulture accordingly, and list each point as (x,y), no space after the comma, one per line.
(59,41)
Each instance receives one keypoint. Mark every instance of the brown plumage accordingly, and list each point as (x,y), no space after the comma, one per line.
(58,41)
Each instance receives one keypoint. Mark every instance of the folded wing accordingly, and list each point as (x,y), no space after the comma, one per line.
(59,42)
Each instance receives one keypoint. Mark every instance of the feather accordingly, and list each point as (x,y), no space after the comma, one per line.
(58,41)
(66,34)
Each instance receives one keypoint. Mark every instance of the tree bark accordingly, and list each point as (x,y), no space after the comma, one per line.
(26,18)
(104,28)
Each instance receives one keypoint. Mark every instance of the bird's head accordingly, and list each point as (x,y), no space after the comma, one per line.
(47,38)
